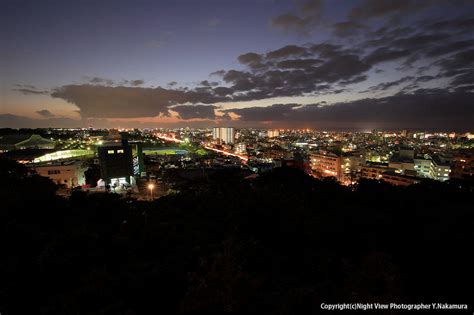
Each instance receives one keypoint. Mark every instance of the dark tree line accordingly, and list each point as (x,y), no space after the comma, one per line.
(279,244)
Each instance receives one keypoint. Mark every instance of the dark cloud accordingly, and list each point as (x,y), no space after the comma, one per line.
(459,67)
(99,80)
(206,83)
(424,51)
(461,25)
(353,80)
(126,102)
(27,86)
(382,8)
(385,54)
(425,78)
(234,75)
(250,58)
(137,82)
(117,102)
(387,85)
(30,91)
(386,35)
(461,60)
(202,89)
(223,91)
(449,47)
(195,111)
(218,73)
(287,51)
(45,113)
(466,78)
(276,112)
(402,43)
(326,50)
(253,61)
(424,109)
(397,45)
(464,89)
(292,70)
(401,40)
(296,72)
(298,63)
(244,85)
(341,68)
(309,16)
(419,41)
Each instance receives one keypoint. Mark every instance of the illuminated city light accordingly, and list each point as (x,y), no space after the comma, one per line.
(65,154)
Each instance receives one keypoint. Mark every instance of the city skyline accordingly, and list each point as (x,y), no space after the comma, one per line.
(239,157)
(335,65)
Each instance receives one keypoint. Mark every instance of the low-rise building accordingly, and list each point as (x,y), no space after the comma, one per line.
(373,171)
(399,179)
(463,165)
(352,164)
(67,173)
(441,169)
(424,166)
(402,161)
(326,164)
(435,167)
(240,148)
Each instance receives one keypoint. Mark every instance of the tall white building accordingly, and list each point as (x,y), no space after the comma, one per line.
(224,134)
(216,133)
(273,133)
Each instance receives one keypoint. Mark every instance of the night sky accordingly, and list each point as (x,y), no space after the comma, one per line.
(337,65)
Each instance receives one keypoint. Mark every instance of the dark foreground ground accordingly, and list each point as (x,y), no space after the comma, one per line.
(280,244)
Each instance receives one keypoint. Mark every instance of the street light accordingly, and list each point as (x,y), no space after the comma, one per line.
(151,186)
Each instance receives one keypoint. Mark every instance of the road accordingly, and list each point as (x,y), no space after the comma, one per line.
(227,153)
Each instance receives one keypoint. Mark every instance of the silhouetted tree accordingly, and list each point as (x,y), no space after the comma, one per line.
(281,243)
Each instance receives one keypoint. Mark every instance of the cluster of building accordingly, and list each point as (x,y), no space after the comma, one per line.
(400,158)
(119,160)
(402,168)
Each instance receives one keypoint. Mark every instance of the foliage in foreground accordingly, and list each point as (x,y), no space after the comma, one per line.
(280,244)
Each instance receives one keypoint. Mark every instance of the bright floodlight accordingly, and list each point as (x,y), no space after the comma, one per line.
(151,186)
